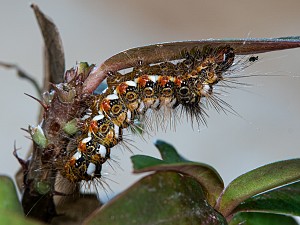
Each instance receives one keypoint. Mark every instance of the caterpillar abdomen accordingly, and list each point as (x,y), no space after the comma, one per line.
(159,87)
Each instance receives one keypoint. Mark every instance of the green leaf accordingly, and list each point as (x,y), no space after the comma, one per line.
(8,217)
(284,200)
(9,200)
(257,181)
(10,208)
(161,198)
(141,162)
(262,219)
(71,127)
(168,152)
(211,182)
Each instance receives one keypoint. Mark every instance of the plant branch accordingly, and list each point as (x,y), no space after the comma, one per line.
(22,74)
(172,51)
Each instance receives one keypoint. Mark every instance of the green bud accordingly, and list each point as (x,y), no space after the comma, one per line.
(71,127)
(82,67)
(38,136)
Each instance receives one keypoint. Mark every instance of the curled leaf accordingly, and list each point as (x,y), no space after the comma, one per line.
(55,59)
(257,181)
(283,200)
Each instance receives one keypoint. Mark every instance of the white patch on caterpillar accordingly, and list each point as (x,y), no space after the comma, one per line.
(91,169)
(101,150)
(87,115)
(128,116)
(116,128)
(153,78)
(205,89)
(98,117)
(86,140)
(112,97)
(130,83)
(77,155)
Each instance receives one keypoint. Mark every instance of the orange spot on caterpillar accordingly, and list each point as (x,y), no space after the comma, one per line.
(142,80)
(93,128)
(72,161)
(82,146)
(178,81)
(122,88)
(163,80)
(105,105)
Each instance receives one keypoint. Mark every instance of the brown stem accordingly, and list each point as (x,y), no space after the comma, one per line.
(21,73)
(171,51)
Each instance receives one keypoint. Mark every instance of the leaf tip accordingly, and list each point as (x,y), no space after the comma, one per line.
(160,144)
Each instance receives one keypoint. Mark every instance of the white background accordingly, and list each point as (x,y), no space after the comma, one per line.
(92,31)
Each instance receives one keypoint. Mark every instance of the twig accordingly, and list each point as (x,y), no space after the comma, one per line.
(171,51)
(22,74)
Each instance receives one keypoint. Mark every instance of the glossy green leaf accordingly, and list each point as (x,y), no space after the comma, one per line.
(257,181)
(9,200)
(211,182)
(161,198)
(284,200)
(262,219)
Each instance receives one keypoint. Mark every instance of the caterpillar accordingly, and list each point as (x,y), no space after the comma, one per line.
(167,81)
(167,86)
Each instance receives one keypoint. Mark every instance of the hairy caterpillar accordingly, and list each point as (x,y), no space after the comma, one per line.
(80,128)
(168,86)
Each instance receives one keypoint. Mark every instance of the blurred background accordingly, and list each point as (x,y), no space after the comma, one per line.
(268,128)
